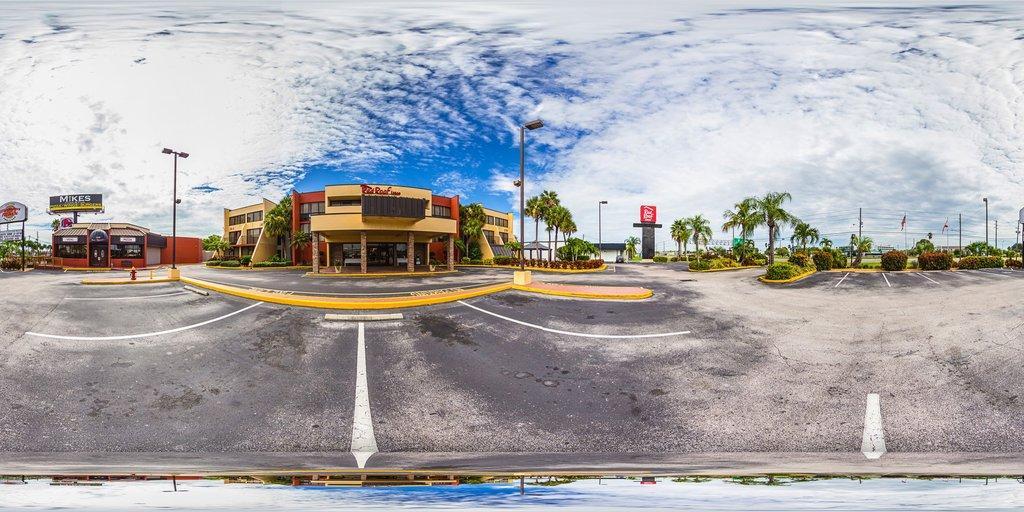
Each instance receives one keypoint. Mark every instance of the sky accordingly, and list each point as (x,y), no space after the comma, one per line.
(897,108)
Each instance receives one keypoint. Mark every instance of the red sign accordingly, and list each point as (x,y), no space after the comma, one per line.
(13,212)
(648,213)
(370,190)
(66,222)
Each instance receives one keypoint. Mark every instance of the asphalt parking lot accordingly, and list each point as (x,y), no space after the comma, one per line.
(713,363)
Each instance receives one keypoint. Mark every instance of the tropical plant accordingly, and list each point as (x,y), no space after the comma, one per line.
(548,202)
(216,244)
(515,247)
(631,244)
(804,233)
(860,245)
(534,210)
(826,243)
(771,214)
(894,261)
(472,219)
(55,224)
(701,232)
(744,217)
(922,246)
(278,222)
(681,233)
(978,249)
(577,249)
(301,240)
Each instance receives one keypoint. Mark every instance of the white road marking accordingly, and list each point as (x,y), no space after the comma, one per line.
(986,271)
(873,445)
(926,277)
(841,280)
(142,335)
(886,280)
(204,293)
(127,297)
(362,318)
(579,334)
(364,444)
(364,294)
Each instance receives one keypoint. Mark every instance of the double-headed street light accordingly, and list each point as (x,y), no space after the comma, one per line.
(986,220)
(174,211)
(600,246)
(532,125)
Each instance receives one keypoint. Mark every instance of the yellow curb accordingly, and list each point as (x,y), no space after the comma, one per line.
(349,302)
(383,274)
(785,281)
(726,269)
(602,296)
(128,281)
(602,268)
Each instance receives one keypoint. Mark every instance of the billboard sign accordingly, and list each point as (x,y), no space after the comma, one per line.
(92,203)
(648,214)
(10,235)
(13,212)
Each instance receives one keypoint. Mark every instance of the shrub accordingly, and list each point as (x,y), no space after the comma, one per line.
(488,261)
(935,261)
(213,263)
(476,262)
(231,263)
(246,260)
(1013,263)
(268,263)
(976,262)
(782,270)
(700,265)
(839,259)
(504,260)
(719,263)
(894,260)
(661,259)
(465,260)
(782,251)
(823,260)
(800,259)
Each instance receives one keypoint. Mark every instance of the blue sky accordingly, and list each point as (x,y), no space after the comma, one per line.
(911,107)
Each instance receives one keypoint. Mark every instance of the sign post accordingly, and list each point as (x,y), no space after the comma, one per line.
(13,212)
(648,222)
(1021,220)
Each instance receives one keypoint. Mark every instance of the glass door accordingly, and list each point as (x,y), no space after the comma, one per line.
(98,256)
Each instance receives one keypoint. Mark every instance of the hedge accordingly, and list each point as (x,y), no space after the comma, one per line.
(231,263)
(935,261)
(720,263)
(700,265)
(976,262)
(660,259)
(246,260)
(264,264)
(800,259)
(782,270)
(823,260)
(213,263)
(894,260)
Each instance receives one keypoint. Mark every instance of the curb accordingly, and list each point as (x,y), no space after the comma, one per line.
(87,269)
(261,269)
(602,268)
(598,296)
(725,269)
(786,281)
(127,281)
(379,274)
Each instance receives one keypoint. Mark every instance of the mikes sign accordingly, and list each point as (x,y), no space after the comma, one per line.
(370,190)
(648,214)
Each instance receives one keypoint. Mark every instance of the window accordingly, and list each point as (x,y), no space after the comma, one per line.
(254,217)
(501,222)
(304,227)
(442,211)
(71,251)
(233,237)
(252,235)
(126,251)
(237,219)
(489,235)
(345,201)
(307,209)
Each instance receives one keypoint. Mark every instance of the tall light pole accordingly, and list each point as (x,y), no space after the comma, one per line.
(532,125)
(986,219)
(174,210)
(600,246)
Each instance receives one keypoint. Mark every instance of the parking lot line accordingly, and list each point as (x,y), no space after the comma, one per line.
(569,333)
(886,280)
(994,273)
(873,443)
(926,277)
(841,280)
(143,335)
(136,297)
(364,443)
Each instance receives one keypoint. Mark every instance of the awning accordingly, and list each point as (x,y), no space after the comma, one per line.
(500,250)
(71,232)
(534,246)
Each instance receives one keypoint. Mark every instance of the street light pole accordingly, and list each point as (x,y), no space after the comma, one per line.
(532,125)
(986,219)
(174,209)
(600,246)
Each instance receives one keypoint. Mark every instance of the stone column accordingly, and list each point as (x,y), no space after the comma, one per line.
(316,251)
(410,253)
(362,251)
(451,252)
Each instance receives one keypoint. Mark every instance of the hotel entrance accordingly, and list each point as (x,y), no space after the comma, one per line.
(377,254)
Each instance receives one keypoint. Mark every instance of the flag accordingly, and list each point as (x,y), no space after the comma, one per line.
(903,223)
(946,225)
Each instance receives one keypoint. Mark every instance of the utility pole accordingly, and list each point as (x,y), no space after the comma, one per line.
(960,233)
(860,223)
(996,240)
(986,219)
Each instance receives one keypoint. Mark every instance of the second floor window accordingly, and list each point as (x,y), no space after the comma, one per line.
(252,235)
(442,211)
(307,209)
(236,219)
(254,217)
(233,237)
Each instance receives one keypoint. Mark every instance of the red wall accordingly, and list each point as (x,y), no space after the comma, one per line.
(304,256)
(190,250)
(439,250)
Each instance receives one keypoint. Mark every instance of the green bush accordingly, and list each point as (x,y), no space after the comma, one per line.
(800,259)
(719,263)
(782,251)
(231,263)
(700,265)
(894,260)
(264,264)
(661,259)
(823,260)
(246,260)
(976,262)
(1013,263)
(505,260)
(935,260)
(839,259)
(476,262)
(213,263)
(466,260)
(488,261)
(782,270)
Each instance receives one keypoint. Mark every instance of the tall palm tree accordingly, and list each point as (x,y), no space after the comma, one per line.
(278,223)
(680,232)
(548,202)
(826,243)
(803,233)
(701,232)
(743,217)
(631,244)
(773,216)
(534,211)
(472,218)
(558,218)
(300,241)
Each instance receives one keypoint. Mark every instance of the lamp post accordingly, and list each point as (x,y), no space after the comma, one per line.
(986,219)
(600,246)
(174,210)
(532,125)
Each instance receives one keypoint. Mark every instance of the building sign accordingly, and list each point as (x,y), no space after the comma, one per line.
(370,190)
(648,214)
(13,212)
(98,237)
(66,222)
(10,236)
(78,240)
(126,240)
(77,203)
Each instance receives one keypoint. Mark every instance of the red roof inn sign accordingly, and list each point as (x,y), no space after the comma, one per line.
(13,212)
(648,214)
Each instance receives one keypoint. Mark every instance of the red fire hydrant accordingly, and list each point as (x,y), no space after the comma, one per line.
(133,273)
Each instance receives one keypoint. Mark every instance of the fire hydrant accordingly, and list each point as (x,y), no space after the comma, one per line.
(133,273)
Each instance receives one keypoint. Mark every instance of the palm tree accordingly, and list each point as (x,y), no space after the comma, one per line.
(773,216)
(826,243)
(472,217)
(803,233)
(548,202)
(680,231)
(631,244)
(743,217)
(534,211)
(300,241)
(278,222)
(217,244)
(558,216)
(701,232)
(861,245)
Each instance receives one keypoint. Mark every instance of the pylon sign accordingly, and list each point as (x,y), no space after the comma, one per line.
(13,212)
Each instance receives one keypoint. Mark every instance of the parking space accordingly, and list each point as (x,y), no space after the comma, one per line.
(902,281)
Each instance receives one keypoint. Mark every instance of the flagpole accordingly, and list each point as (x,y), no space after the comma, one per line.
(906,247)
